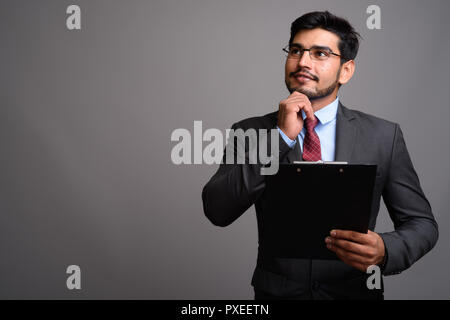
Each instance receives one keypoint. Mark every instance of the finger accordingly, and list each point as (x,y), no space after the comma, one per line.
(373,235)
(298,100)
(292,107)
(349,255)
(362,250)
(294,100)
(303,103)
(358,265)
(309,112)
(306,107)
(297,94)
(354,236)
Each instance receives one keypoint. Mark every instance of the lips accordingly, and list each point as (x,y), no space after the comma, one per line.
(303,77)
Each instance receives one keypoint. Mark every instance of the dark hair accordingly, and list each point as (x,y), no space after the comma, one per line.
(348,44)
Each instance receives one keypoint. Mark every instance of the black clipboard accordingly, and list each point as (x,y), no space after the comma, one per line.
(306,200)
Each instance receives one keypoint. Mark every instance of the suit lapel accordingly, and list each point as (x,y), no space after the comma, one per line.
(345,134)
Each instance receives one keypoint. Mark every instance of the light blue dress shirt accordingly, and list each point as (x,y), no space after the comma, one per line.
(325,129)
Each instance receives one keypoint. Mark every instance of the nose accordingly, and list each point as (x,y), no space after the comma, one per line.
(305,60)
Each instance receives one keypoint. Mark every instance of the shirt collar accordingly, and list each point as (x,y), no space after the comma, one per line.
(327,113)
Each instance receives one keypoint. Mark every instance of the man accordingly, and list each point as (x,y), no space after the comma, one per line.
(314,125)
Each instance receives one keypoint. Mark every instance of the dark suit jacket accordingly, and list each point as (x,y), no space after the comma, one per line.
(360,138)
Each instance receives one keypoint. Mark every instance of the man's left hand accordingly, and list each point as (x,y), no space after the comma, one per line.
(359,250)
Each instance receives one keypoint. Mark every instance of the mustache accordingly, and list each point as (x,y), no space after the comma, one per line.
(309,74)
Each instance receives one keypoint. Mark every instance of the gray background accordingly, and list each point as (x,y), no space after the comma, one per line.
(86,117)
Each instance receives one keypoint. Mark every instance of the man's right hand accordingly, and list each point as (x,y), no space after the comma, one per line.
(290,119)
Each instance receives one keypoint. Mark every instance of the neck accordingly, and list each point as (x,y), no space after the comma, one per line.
(318,104)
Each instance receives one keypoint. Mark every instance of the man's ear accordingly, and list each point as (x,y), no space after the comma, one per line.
(347,70)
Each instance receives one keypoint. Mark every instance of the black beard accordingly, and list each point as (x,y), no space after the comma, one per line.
(319,94)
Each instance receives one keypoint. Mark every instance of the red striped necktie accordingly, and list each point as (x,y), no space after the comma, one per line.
(311,143)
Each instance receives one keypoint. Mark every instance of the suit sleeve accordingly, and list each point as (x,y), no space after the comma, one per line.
(416,231)
(235,187)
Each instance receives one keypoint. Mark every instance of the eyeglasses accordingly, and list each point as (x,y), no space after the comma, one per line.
(315,53)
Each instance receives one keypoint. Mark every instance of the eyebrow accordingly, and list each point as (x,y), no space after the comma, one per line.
(298,45)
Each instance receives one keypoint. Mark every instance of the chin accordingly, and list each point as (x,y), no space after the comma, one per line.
(305,91)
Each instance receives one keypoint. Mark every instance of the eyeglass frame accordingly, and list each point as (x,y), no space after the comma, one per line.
(302,50)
